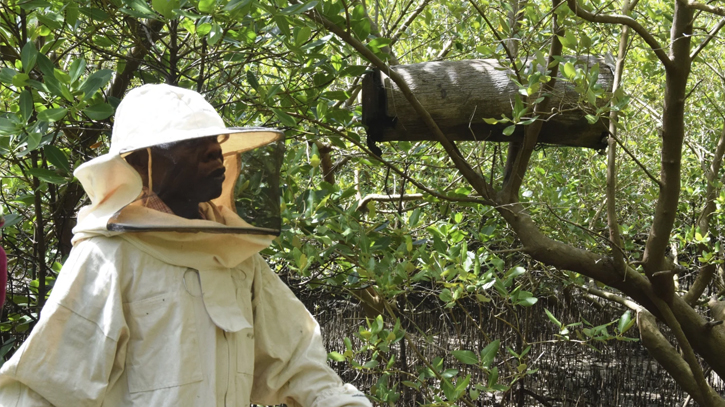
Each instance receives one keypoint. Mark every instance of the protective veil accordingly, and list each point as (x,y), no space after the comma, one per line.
(153,309)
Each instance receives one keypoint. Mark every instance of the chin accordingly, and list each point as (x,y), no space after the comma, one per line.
(211,194)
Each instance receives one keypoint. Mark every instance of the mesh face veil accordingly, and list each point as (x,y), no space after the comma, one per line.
(247,184)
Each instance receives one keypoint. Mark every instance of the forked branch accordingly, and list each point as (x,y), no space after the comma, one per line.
(623,20)
(704,7)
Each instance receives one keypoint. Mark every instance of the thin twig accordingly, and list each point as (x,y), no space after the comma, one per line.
(652,177)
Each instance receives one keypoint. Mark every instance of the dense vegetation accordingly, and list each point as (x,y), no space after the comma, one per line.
(456,227)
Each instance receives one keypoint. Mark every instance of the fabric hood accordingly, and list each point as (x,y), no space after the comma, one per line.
(154,115)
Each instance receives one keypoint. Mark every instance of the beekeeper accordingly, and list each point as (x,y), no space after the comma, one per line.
(164,299)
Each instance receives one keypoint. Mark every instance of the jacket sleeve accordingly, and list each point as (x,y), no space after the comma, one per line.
(290,364)
(77,348)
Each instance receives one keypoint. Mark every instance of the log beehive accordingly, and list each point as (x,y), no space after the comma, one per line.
(460,94)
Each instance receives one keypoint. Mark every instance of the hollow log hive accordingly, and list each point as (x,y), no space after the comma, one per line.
(460,94)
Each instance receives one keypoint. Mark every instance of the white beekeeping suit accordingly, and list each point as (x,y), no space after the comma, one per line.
(155,309)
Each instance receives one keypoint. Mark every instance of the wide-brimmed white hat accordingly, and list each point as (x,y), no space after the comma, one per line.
(148,116)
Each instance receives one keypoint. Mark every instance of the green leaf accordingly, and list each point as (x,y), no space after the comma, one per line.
(378,43)
(71,13)
(63,77)
(446,295)
(235,4)
(569,70)
(203,29)
(45,65)
(20,80)
(552,318)
(488,354)
(26,105)
(7,74)
(7,127)
(76,69)
(57,157)
(142,7)
(298,8)
(371,364)
(28,56)
(465,356)
(493,377)
(94,82)
(207,6)
(252,80)
(302,35)
(46,175)
(99,112)
(461,386)
(509,130)
(284,118)
(11,220)
(165,7)
(95,13)
(336,356)
(50,20)
(490,121)
(414,217)
(624,322)
(215,34)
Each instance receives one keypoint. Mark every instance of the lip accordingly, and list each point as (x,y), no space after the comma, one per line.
(218,174)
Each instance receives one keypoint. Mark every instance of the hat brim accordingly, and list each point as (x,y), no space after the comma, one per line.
(240,139)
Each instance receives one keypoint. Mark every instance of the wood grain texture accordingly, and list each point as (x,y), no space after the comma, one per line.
(460,94)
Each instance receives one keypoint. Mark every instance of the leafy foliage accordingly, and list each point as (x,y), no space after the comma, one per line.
(432,240)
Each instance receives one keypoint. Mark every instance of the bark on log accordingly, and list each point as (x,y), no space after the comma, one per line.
(460,94)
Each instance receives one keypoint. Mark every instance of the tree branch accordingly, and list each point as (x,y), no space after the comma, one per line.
(512,182)
(509,54)
(646,171)
(623,20)
(704,7)
(611,189)
(703,222)
(393,168)
(688,353)
(614,298)
(475,179)
(673,135)
(707,39)
(362,206)
(398,32)
(666,355)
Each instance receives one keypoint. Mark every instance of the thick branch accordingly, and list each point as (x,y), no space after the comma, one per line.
(673,135)
(666,355)
(623,20)
(614,298)
(688,352)
(704,7)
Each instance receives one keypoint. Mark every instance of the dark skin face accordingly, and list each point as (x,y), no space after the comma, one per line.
(184,174)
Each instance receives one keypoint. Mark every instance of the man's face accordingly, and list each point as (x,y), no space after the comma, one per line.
(191,170)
